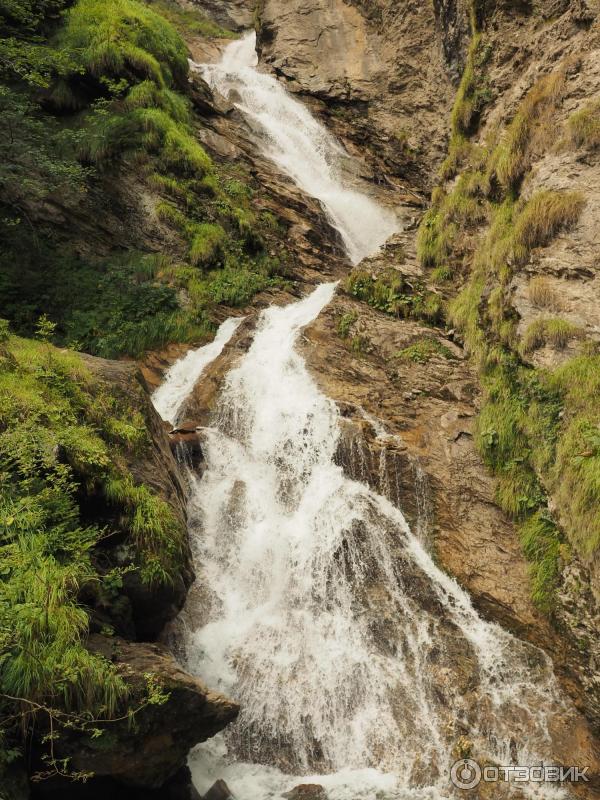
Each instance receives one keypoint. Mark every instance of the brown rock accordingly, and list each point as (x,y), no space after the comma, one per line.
(185,444)
(154,466)
(219,791)
(307,791)
(385,71)
(149,752)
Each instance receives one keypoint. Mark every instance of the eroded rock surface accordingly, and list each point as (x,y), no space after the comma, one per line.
(150,607)
(147,753)
(383,75)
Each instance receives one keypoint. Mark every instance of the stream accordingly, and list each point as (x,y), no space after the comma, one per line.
(359,665)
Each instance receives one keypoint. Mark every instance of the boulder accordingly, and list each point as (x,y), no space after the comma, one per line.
(147,752)
(153,465)
(219,791)
(307,791)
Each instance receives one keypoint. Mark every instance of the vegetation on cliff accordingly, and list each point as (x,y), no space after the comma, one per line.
(99,93)
(65,444)
(95,105)
(535,431)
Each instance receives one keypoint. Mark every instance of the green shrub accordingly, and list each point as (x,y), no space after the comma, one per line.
(236,287)
(346,322)
(207,244)
(543,545)
(393,293)
(35,163)
(44,442)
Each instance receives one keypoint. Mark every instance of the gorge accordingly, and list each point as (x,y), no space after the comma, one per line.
(353,268)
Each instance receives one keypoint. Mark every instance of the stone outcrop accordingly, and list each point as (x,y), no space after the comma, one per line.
(148,750)
(236,15)
(150,607)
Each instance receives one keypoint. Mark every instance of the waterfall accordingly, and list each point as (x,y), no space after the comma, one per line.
(328,621)
(184,374)
(300,146)
(359,665)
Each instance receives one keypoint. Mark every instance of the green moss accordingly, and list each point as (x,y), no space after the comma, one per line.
(346,322)
(123,39)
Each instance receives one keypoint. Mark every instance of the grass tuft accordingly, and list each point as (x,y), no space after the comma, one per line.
(543,217)
(207,244)
(584,126)
(542,294)
(548,331)
(531,127)
(422,351)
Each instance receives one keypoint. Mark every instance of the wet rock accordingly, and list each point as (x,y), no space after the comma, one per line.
(185,444)
(153,465)
(150,752)
(307,791)
(219,791)
(386,435)
(384,73)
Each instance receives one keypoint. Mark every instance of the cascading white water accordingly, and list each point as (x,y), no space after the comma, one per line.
(357,662)
(300,146)
(299,564)
(184,374)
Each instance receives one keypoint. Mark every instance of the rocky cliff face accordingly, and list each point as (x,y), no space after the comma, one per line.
(384,74)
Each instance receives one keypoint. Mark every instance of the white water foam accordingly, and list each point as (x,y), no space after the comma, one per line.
(184,374)
(299,564)
(300,146)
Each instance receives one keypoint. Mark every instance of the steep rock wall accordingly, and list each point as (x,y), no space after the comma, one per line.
(385,73)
